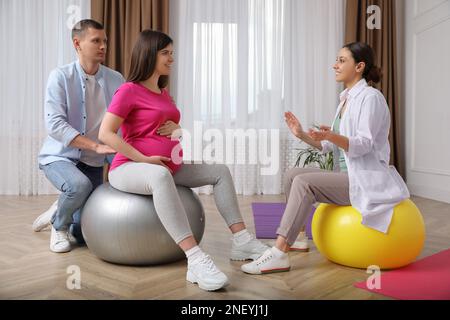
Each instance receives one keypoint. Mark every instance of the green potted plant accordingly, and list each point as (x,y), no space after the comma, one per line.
(314,157)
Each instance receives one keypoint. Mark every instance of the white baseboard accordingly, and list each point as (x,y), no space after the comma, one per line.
(437,194)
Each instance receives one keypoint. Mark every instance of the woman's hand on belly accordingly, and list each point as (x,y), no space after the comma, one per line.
(158,160)
(169,129)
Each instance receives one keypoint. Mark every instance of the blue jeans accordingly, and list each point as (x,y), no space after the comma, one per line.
(76,183)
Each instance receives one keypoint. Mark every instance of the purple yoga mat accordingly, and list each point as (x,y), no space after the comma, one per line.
(267,217)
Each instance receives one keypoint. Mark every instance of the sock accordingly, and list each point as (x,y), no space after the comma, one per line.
(194,254)
(242,237)
(277,252)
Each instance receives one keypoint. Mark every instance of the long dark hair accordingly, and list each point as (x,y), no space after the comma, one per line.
(362,52)
(144,55)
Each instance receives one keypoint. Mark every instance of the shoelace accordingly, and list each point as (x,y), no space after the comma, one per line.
(264,259)
(207,261)
(61,236)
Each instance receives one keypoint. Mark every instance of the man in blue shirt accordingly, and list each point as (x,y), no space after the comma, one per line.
(72,157)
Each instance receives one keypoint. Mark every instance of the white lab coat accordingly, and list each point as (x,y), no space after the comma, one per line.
(375,187)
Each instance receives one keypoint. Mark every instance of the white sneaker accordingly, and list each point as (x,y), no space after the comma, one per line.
(267,263)
(251,250)
(72,240)
(301,244)
(204,272)
(59,241)
(43,221)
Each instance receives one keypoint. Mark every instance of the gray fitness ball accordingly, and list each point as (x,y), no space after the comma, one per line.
(124,228)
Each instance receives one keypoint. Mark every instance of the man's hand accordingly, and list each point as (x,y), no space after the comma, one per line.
(104,149)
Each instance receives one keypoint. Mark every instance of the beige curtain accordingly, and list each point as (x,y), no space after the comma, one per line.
(384,42)
(123,21)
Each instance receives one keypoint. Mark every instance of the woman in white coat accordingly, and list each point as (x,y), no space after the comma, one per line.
(359,141)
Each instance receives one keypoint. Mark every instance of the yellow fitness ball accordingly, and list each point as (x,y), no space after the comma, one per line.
(341,237)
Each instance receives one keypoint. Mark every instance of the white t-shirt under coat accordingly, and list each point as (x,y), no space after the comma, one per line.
(95,110)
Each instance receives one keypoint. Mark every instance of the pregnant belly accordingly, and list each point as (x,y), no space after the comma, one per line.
(156,147)
(162,147)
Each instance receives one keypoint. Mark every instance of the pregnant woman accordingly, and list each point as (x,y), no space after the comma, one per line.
(144,164)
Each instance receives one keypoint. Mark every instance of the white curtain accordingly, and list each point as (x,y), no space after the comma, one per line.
(240,64)
(35,37)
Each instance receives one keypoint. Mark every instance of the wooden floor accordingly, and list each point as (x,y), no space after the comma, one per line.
(28,270)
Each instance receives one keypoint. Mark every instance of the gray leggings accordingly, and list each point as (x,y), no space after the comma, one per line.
(304,187)
(156,180)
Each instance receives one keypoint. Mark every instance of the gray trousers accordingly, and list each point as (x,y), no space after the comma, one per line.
(151,179)
(304,187)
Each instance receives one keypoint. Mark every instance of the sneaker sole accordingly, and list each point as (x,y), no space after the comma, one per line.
(60,250)
(234,259)
(268,271)
(193,279)
(241,258)
(299,250)
(275,270)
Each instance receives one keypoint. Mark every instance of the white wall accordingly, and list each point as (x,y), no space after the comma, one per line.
(427,97)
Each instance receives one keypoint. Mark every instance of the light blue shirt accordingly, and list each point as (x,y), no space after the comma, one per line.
(65,109)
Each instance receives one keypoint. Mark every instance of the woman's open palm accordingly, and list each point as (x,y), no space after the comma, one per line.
(293,124)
